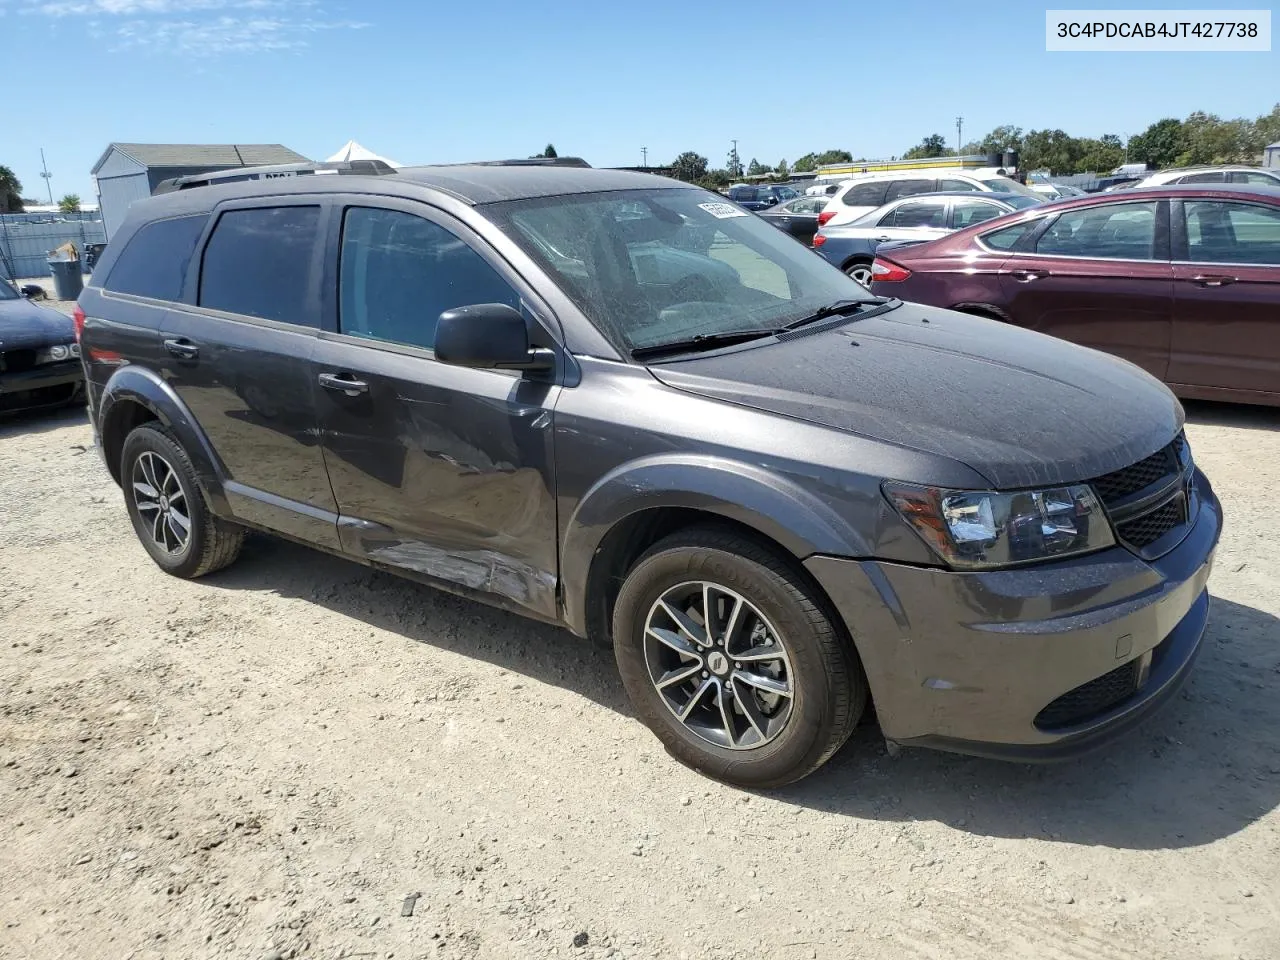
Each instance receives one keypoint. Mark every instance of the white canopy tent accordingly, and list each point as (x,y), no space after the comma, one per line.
(354,151)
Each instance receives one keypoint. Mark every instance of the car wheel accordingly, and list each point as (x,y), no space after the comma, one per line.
(167,508)
(860,272)
(730,657)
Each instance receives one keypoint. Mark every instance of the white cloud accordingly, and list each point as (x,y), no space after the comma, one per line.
(194,28)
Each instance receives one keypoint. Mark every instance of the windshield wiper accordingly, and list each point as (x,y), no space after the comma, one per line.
(703,341)
(836,308)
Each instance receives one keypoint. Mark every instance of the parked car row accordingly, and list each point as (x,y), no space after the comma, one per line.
(39,356)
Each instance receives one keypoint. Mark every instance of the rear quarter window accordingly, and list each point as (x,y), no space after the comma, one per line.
(154,262)
(1007,237)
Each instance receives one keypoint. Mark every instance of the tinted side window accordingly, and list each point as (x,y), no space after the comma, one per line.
(965,213)
(1250,176)
(952,185)
(1232,233)
(907,188)
(1215,177)
(399,272)
(869,194)
(154,264)
(918,213)
(258,262)
(1007,238)
(1124,231)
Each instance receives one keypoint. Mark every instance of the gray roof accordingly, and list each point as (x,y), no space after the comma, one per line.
(477,183)
(209,155)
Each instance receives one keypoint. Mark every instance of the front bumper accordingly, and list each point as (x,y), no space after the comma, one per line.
(972,662)
(48,385)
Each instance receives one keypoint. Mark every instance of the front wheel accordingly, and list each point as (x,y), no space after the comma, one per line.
(860,272)
(731,659)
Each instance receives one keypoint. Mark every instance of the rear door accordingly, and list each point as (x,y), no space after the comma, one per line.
(1226,320)
(924,219)
(1099,276)
(442,471)
(239,355)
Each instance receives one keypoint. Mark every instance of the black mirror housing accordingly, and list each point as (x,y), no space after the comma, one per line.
(491,336)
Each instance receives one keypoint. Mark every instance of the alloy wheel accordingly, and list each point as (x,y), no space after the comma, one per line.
(161,502)
(719,665)
(861,272)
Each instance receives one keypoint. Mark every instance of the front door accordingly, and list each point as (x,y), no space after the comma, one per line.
(1099,276)
(1226,319)
(240,359)
(441,471)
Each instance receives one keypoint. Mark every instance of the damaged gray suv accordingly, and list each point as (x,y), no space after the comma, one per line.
(622,404)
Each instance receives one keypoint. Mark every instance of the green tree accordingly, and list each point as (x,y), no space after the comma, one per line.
(784,171)
(715,179)
(934,145)
(1159,145)
(1207,138)
(834,156)
(689,166)
(1052,150)
(10,191)
(999,140)
(755,168)
(70,203)
(806,164)
(1267,127)
(734,163)
(549,151)
(1100,156)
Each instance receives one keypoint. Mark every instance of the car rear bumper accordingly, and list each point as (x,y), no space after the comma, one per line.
(1039,662)
(48,385)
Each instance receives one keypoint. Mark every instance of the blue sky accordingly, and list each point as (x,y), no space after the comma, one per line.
(435,81)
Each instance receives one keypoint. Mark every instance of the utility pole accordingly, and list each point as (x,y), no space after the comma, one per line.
(48,177)
(644,157)
(735,162)
(959,136)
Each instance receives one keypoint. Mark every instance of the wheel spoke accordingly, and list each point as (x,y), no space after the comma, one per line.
(146,505)
(146,490)
(756,654)
(747,701)
(146,462)
(181,520)
(157,529)
(768,684)
(680,674)
(724,701)
(693,700)
(731,625)
(686,625)
(672,640)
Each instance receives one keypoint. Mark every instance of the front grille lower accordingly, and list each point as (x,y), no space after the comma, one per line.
(1147,528)
(1091,699)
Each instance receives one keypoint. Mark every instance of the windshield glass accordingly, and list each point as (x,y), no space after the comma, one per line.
(7,292)
(655,266)
(1007,185)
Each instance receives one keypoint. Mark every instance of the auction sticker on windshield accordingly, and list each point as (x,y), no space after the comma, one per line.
(722,211)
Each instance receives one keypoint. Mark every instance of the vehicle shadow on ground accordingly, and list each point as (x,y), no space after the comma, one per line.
(1203,768)
(42,421)
(1241,416)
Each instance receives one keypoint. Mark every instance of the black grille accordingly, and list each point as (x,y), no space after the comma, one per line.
(17,361)
(1091,699)
(1147,529)
(1129,480)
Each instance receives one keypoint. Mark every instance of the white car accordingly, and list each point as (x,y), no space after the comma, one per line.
(1055,191)
(1232,173)
(822,189)
(865,192)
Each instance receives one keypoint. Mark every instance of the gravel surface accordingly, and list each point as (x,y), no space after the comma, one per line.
(298,757)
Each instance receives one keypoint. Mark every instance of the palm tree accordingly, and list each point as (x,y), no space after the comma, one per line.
(10,191)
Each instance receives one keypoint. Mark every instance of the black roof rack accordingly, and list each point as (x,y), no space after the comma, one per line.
(364,168)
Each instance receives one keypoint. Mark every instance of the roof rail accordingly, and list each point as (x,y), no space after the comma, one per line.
(529,162)
(274,171)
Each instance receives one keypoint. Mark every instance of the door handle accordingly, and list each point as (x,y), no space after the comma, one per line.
(882,239)
(344,382)
(182,348)
(1212,281)
(1026,276)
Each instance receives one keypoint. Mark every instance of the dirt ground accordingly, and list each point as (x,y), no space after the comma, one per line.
(270,762)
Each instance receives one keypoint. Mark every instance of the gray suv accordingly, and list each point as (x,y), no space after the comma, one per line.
(619,403)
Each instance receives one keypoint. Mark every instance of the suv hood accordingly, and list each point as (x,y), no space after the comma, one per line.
(1021,408)
(24,326)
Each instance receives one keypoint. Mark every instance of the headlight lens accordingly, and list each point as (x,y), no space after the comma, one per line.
(58,352)
(980,529)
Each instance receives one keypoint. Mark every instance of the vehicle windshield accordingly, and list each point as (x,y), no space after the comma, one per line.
(1008,185)
(650,267)
(7,292)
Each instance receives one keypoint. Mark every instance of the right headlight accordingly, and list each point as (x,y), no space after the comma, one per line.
(976,529)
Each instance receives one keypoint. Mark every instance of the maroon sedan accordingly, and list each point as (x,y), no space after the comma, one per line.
(1182,280)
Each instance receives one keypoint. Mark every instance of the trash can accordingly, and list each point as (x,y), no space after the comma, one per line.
(68,281)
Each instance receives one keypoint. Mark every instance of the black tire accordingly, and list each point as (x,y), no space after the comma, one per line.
(829,687)
(859,270)
(212,543)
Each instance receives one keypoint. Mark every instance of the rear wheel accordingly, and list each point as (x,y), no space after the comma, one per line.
(731,659)
(168,511)
(860,271)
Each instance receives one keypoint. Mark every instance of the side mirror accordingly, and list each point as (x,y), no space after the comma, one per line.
(490,336)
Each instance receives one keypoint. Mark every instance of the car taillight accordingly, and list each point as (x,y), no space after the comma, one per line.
(77,315)
(886,271)
(819,240)
(824,216)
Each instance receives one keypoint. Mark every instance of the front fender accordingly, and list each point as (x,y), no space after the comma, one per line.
(775,506)
(134,384)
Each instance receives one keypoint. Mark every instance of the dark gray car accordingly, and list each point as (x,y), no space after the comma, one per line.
(919,217)
(625,405)
(39,357)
